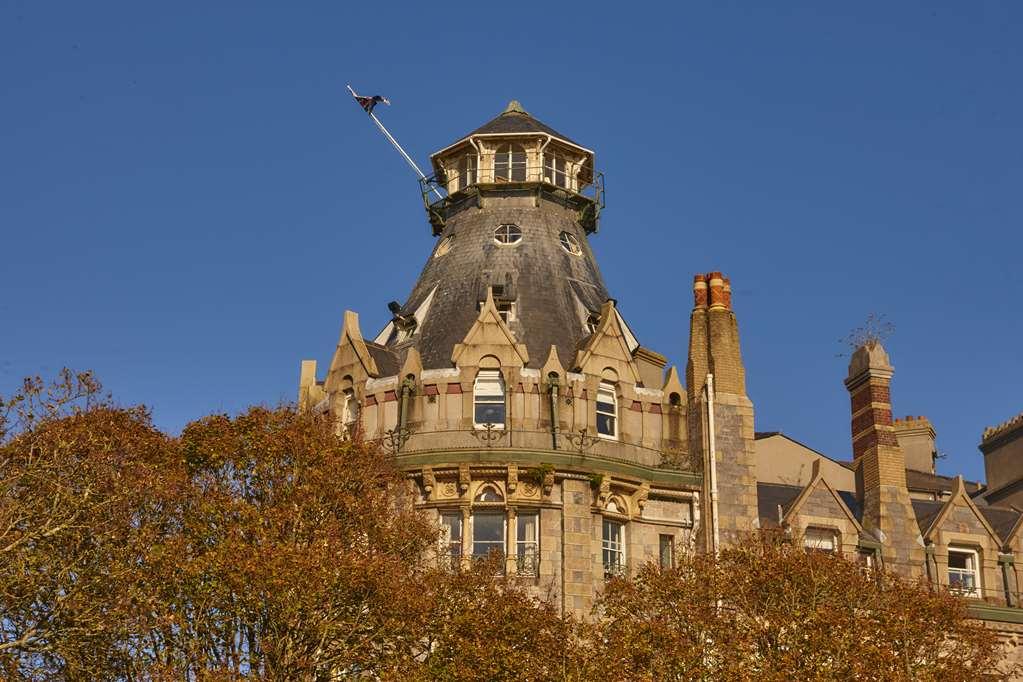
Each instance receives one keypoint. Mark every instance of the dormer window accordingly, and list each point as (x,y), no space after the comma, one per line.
(510,163)
(488,399)
(607,411)
(964,571)
(506,309)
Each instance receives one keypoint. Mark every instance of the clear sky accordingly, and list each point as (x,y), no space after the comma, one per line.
(189,199)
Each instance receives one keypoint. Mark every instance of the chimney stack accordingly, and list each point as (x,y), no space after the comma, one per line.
(878,461)
(714,349)
(873,436)
(916,438)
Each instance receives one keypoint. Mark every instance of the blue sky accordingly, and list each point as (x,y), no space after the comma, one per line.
(189,200)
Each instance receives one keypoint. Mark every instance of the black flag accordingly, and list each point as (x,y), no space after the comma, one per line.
(368,103)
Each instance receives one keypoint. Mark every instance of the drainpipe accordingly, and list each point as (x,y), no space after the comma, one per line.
(1006,563)
(479,160)
(553,383)
(539,158)
(715,532)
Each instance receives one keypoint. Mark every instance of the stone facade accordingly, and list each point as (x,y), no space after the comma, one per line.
(534,425)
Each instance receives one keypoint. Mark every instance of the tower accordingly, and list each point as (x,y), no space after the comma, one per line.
(508,384)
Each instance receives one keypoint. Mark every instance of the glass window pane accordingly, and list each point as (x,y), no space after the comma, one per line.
(605,424)
(487,527)
(518,163)
(487,534)
(527,527)
(489,413)
(667,551)
(958,560)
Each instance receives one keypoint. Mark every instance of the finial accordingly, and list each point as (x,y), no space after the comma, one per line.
(514,108)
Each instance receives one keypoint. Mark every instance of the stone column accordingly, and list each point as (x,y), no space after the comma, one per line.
(577,548)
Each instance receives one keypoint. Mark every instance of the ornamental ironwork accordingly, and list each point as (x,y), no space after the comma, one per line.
(488,434)
(582,442)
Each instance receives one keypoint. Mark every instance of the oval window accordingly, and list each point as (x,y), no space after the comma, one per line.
(443,247)
(507,234)
(571,244)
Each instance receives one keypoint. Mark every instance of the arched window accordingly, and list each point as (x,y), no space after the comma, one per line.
(488,399)
(466,171)
(489,493)
(554,165)
(607,411)
(510,163)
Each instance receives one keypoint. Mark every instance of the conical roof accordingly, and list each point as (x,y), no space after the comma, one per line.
(515,119)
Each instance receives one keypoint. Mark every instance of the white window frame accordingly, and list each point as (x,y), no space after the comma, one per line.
(525,547)
(509,151)
(612,550)
(606,388)
(349,410)
(468,171)
(556,168)
(570,243)
(973,556)
(665,540)
(450,547)
(484,377)
(508,234)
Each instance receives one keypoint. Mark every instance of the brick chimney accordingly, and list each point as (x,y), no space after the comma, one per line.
(714,349)
(916,438)
(879,462)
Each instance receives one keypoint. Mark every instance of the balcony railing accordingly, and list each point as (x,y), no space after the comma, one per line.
(582,189)
(527,563)
(409,440)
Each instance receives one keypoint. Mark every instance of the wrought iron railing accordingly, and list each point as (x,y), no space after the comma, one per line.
(527,563)
(585,184)
(614,568)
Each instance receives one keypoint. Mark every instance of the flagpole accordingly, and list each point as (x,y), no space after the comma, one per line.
(397,146)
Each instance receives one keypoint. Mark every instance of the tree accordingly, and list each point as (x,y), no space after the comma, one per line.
(268,546)
(771,611)
(74,477)
(477,625)
(263,545)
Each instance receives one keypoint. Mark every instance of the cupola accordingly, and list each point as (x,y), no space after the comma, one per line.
(514,153)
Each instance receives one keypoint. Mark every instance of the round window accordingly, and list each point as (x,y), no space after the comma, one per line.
(507,234)
(443,247)
(571,244)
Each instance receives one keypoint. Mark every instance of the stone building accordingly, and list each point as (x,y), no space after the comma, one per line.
(534,423)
